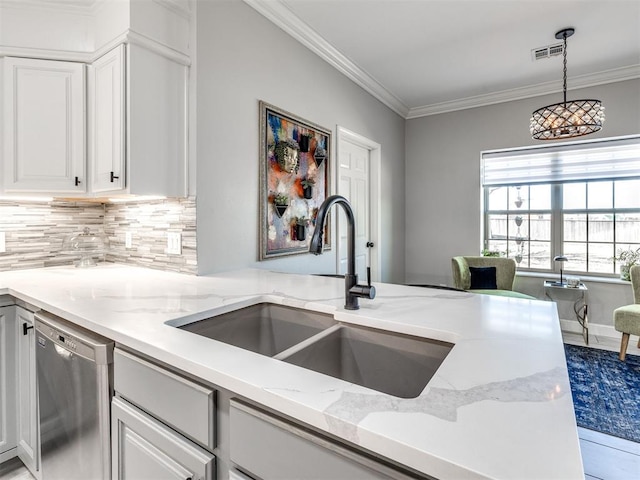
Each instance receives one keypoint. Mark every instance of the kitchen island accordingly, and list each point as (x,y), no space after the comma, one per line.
(498,407)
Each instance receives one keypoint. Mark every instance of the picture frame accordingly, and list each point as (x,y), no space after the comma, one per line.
(295,176)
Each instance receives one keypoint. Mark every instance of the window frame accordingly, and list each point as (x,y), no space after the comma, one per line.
(557,211)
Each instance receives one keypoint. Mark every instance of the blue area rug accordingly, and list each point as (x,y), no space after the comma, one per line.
(606,391)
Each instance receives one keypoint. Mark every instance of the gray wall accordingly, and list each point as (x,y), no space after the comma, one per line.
(243,58)
(443,179)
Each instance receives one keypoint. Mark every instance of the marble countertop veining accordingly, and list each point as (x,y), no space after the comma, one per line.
(498,407)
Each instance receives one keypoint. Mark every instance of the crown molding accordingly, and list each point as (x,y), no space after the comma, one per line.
(77,7)
(44,54)
(583,81)
(88,7)
(129,37)
(135,38)
(279,14)
(179,7)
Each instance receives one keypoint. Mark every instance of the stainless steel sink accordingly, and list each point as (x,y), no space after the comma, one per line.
(399,365)
(263,328)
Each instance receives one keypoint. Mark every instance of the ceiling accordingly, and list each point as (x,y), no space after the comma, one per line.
(422,57)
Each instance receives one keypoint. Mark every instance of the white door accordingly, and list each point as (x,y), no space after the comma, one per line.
(7,382)
(357,182)
(106,126)
(28,441)
(44,135)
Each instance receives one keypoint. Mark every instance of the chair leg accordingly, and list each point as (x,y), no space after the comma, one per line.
(623,346)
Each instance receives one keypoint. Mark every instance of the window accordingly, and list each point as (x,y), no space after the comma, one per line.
(580,199)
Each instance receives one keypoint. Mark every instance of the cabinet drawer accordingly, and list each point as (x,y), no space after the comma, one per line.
(180,403)
(268,447)
(145,448)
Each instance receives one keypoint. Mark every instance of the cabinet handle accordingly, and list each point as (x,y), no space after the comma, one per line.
(25,328)
(112,178)
(78,182)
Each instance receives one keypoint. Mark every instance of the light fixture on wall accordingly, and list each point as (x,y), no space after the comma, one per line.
(566,119)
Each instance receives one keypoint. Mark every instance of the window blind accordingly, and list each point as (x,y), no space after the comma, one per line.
(592,160)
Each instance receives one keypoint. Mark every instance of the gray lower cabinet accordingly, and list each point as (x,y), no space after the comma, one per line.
(266,447)
(28,438)
(236,475)
(144,448)
(8,367)
(162,424)
(169,425)
(186,406)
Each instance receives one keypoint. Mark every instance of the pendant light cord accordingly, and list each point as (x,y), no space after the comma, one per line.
(564,68)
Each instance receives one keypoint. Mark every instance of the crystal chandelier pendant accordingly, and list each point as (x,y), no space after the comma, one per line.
(567,119)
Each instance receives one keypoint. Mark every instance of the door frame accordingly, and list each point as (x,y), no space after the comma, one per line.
(375,205)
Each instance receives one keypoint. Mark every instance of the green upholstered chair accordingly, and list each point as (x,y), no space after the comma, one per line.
(627,319)
(505,275)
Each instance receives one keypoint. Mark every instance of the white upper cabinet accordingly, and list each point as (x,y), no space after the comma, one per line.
(156,123)
(107,121)
(137,123)
(44,134)
(131,138)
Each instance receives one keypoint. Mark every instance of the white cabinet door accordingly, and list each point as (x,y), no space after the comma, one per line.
(28,437)
(138,123)
(44,134)
(142,447)
(107,121)
(7,382)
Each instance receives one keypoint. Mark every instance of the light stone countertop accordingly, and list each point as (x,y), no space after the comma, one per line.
(498,407)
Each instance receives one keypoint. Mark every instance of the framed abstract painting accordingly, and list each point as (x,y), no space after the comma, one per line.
(295,160)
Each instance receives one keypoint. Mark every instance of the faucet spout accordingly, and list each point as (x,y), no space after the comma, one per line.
(352,290)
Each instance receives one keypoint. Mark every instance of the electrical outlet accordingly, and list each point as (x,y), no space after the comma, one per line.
(127,240)
(174,243)
(3,245)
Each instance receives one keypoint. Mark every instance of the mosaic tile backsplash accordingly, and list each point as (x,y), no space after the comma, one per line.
(35,232)
(149,223)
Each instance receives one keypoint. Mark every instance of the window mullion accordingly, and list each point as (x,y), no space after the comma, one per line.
(557,223)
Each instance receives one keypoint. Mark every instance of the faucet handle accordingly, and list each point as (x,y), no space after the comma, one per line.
(363,291)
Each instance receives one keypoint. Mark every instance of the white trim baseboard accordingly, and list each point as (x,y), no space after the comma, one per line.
(598,329)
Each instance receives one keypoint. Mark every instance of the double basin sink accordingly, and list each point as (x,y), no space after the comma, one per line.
(395,364)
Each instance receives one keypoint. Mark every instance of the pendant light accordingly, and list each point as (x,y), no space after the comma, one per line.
(566,119)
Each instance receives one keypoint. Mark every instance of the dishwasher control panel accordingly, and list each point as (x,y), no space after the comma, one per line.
(67,341)
(63,340)
(81,342)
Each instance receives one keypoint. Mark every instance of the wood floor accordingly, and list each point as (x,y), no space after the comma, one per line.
(604,457)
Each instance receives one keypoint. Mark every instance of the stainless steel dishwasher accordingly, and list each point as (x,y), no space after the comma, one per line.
(74,391)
